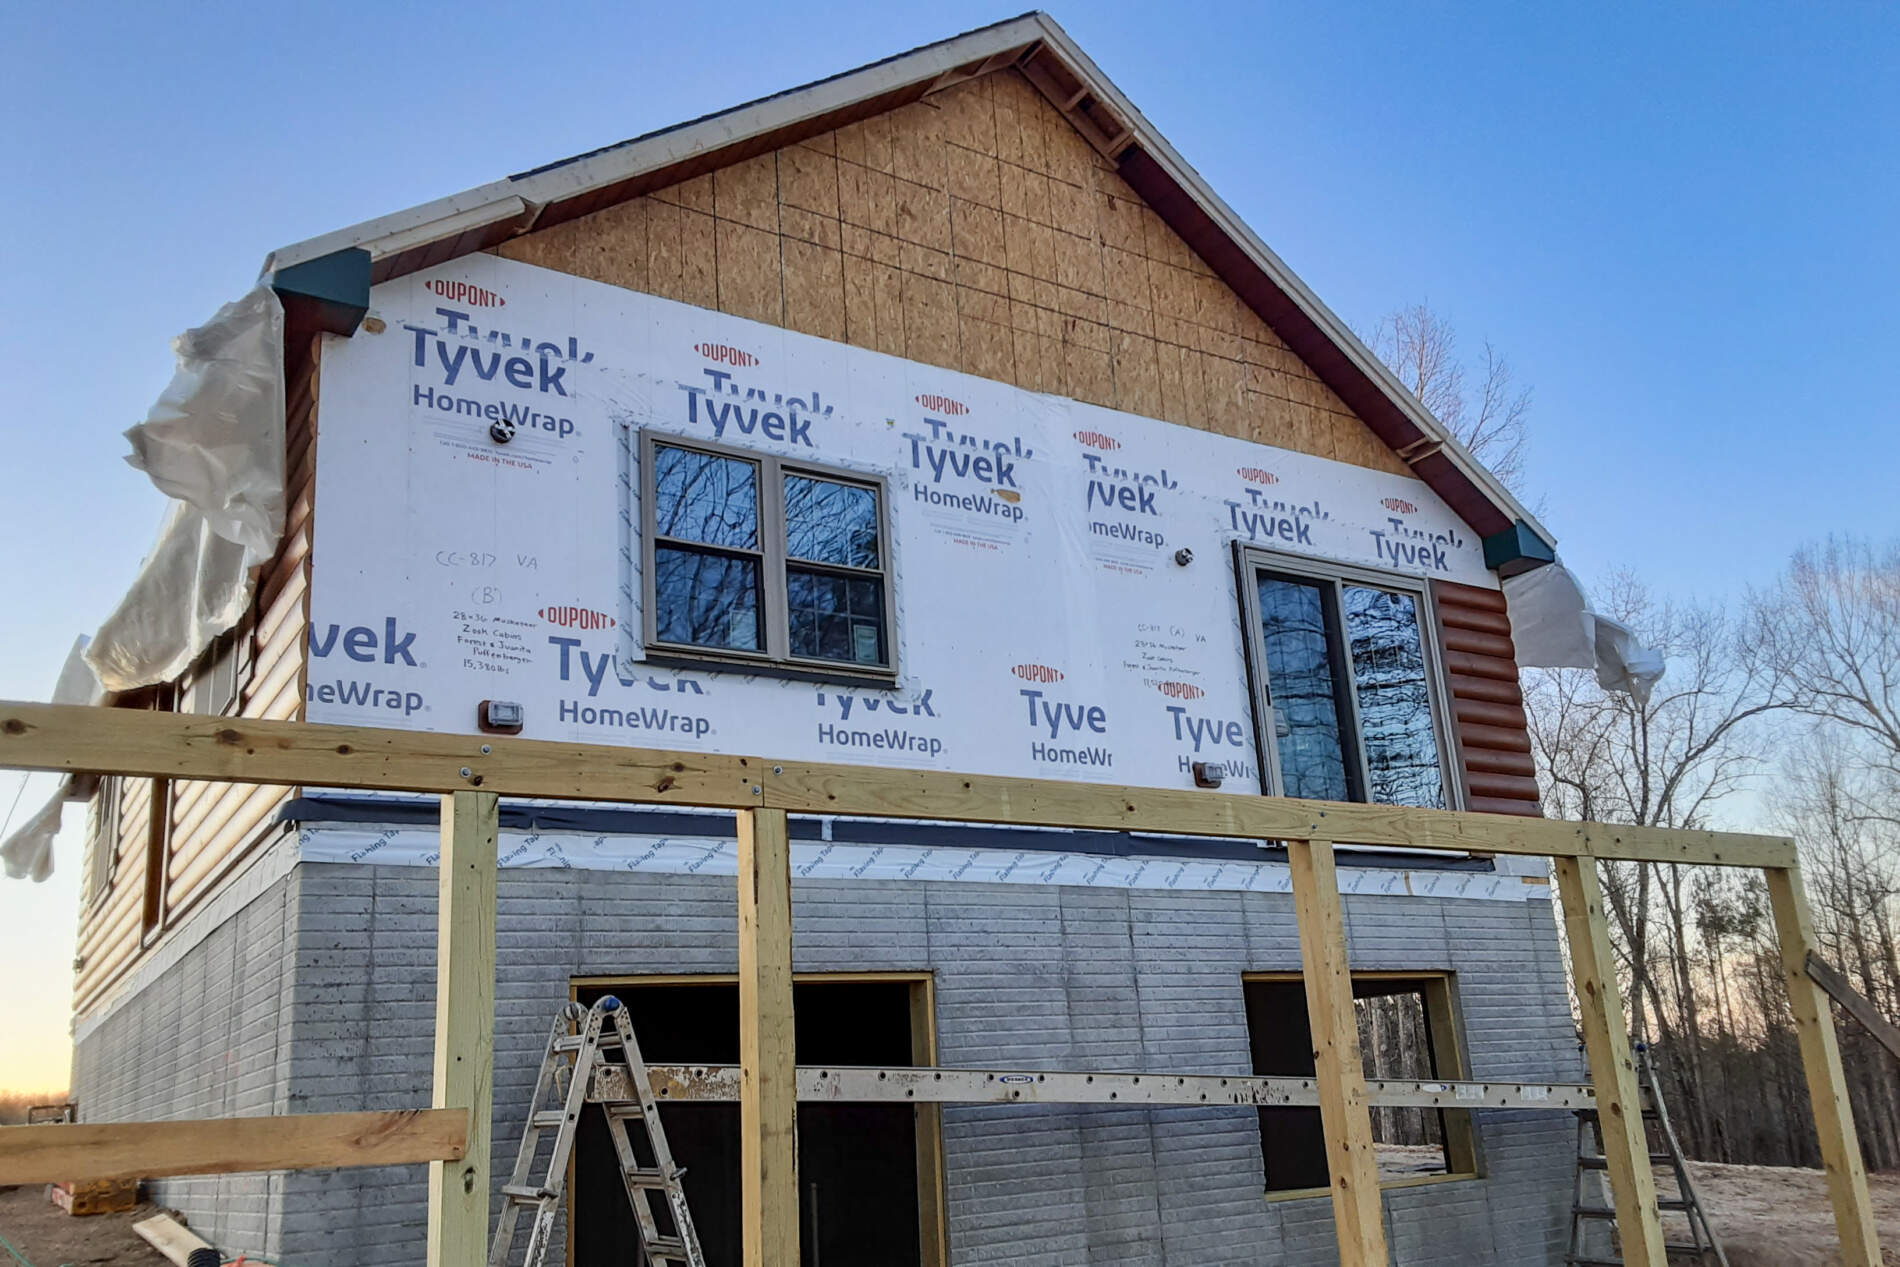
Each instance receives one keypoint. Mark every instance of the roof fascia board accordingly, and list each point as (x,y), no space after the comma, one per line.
(1337,331)
(663,149)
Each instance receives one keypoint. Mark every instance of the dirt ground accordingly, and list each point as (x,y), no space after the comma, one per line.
(1765,1216)
(50,1237)
(1768,1216)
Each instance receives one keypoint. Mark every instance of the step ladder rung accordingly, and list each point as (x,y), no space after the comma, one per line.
(572,1042)
(1603,1163)
(528,1193)
(547,1119)
(626,1109)
(640,1177)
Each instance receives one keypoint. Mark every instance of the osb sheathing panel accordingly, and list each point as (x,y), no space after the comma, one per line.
(978,231)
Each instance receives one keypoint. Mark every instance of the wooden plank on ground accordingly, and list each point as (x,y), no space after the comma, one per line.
(464,1023)
(1854,1003)
(229,1145)
(1351,1155)
(1606,1040)
(170,1237)
(1827,1081)
(768,1093)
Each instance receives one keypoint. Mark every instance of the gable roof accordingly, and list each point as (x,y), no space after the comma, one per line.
(487,215)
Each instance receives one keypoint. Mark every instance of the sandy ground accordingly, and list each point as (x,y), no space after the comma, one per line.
(1767,1216)
(50,1237)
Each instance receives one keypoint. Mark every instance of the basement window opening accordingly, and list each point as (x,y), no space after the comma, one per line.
(753,558)
(1408,1031)
(866,1172)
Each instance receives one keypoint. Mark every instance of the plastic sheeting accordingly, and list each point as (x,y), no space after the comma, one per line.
(214,442)
(28,852)
(1553,628)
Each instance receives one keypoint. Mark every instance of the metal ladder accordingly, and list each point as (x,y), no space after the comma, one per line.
(1701,1248)
(575,1054)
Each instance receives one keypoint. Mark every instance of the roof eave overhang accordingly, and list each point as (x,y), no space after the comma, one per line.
(483,217)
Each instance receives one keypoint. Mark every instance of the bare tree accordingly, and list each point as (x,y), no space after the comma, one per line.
(1491,419)
(1830,630)
(1665,762)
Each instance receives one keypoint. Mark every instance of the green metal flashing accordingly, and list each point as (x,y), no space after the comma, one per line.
(331,291)
(1517,549)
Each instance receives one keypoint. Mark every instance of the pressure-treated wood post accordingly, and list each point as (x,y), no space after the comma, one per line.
(1827,1083)
(1606,1040)
(768,1091)
(464,1023)
(1345,1114)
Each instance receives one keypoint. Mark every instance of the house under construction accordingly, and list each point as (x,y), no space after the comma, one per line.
(931,417)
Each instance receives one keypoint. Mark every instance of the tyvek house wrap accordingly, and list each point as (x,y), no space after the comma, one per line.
(214,442)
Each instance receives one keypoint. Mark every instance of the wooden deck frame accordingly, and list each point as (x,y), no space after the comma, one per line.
(163,745)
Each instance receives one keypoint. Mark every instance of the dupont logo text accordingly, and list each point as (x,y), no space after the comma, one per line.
(1096,440)
(466,293)
(1398,505)
(577,618)
(1180,690)
(725,354)
(943,405)
(1254,475)
(1037,673)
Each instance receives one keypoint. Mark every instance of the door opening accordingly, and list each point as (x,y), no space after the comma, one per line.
(858,1164)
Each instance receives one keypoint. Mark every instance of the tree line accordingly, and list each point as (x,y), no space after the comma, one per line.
(1781,714)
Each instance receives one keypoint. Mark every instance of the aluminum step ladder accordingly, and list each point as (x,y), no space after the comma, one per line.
(575,1053)
(1701,1249)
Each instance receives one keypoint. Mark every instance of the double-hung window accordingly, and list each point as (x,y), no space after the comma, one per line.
(754,559)
(1346,683)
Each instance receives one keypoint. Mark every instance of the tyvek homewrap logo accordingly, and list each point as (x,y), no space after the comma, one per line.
(1403,545)
(641,714)
(850,720)
(471,359)
(1063,717)
(716,401)
(1121,502)
(1275,520)
(965,471)
(386,646)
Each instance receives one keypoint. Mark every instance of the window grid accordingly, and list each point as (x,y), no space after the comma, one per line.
(782,576)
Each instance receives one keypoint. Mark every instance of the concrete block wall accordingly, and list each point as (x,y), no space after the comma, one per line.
(1025,976)
(205,1036)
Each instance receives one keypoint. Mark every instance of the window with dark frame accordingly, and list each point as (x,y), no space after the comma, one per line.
(753,558)
(1348,686)
(1408,1031)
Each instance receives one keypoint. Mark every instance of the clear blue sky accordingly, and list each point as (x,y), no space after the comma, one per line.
(1681,223)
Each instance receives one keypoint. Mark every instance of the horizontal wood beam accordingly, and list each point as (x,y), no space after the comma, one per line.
(717,1083)
(125,741)
(216,1146)
(246,750)
(813,788)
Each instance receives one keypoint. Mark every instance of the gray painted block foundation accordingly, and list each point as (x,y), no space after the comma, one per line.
(318,995)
